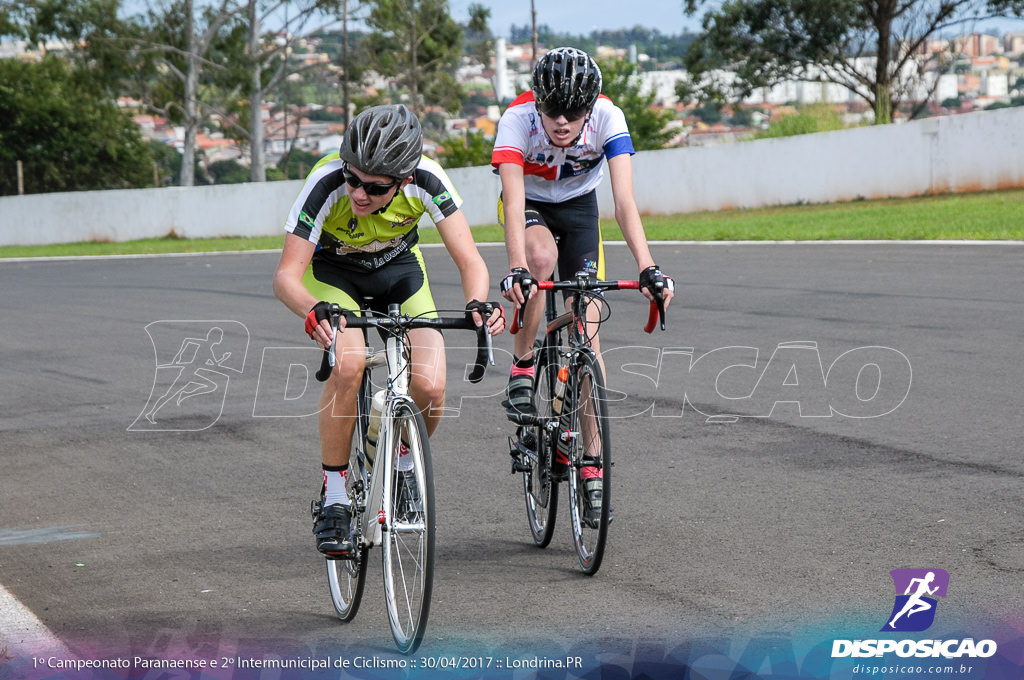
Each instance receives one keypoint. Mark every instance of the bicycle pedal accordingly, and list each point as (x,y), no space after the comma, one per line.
(514,449)
(519,466)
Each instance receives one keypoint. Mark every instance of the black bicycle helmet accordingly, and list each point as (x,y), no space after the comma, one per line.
(566,80)
(384,140)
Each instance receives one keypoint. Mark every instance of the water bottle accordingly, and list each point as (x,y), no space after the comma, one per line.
(376,408)
(559,398)
(563,437)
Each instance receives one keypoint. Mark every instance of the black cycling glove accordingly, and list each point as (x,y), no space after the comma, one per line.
(653,280)
(519,275)
(480,308)
(320,311)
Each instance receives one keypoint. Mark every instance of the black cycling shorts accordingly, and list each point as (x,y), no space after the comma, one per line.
(576,228)
(401,281)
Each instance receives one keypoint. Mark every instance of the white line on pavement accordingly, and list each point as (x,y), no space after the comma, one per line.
(22,634)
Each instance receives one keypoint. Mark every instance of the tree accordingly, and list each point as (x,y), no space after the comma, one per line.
(89,32)
(647,125)
(267,60)
(418,42)
(466,150)
(478,35)
(353,58)
(871,47)
(297,164)
(228,172)
(810,119)
(709,113)
(68,133)
(196,52)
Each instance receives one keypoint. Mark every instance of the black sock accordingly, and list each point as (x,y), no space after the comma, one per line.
(523,363)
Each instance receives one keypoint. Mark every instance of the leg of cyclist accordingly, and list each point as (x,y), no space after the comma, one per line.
(427,383)
(593,476)
(338,409)
(582,248)
(337,421)
(427,370)
(541,257)
(428,379)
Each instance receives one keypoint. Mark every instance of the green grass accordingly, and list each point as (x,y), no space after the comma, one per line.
(984,216)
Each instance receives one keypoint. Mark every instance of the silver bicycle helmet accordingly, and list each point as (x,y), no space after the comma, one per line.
(384,140)
(566,80)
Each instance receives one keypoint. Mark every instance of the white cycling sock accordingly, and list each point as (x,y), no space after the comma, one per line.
(404,459)
(334,485)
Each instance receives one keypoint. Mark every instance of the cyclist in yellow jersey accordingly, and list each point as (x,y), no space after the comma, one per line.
(352,234)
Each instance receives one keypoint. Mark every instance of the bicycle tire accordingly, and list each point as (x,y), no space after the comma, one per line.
(408,550)
(346,578)
(590,420)
(540,490)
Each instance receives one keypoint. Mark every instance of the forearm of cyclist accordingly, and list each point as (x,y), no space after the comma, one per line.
(288,286)
(458,239)
(627,215)
(513,199)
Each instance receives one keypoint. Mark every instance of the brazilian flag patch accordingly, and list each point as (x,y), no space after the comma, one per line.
(441,198)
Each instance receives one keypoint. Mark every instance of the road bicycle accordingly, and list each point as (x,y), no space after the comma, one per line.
(388,509)
(568,438)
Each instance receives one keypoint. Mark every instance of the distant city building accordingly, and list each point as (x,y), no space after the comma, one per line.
(977,45)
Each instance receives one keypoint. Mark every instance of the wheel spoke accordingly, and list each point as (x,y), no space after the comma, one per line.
(346,578)
(540,492)
(590,456)
(408,553)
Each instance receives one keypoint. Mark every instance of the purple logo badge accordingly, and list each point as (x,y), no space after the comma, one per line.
(916,590)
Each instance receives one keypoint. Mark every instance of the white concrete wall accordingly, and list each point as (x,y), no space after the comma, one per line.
(965,153)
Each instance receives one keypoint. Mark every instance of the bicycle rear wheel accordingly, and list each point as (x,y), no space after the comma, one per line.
(346,578)
(408,550)
(539,489)
(590,454)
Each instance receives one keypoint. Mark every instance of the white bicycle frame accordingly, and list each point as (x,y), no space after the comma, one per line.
(375,517)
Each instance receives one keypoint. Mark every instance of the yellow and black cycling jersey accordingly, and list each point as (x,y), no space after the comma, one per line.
(322,214)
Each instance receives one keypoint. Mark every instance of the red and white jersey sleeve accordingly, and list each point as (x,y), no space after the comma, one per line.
(554,174)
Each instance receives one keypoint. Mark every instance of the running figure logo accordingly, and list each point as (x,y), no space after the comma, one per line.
(914,609)
(194,363)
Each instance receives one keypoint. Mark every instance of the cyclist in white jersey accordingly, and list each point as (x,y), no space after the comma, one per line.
(550,151)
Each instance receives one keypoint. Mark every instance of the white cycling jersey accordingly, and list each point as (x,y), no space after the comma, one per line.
(553,174)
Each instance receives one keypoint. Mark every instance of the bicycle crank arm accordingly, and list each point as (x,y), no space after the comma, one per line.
(517,451)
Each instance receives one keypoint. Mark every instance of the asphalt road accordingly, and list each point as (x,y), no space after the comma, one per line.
(192,531)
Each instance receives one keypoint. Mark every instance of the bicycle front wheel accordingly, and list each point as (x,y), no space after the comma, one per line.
(408,550)
(590,459)
(539,489)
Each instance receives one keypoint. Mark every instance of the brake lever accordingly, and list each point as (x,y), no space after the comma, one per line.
(330,357)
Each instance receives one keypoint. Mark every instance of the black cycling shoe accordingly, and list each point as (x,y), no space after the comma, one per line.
(333,527)
(519,401)
(407,492)
(594,489)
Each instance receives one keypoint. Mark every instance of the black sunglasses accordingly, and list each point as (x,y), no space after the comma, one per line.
(571,116)
(369,187)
